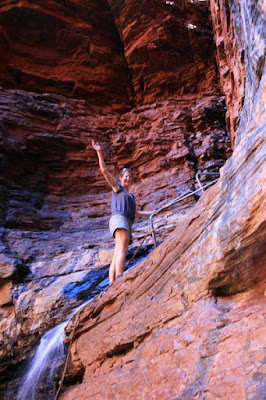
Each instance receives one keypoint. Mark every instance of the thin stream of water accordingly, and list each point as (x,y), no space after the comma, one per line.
(42,367)
(38,374)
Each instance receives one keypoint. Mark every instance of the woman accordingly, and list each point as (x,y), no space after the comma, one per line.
(123,214)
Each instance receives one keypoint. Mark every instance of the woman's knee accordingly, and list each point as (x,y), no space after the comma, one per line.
(122,238)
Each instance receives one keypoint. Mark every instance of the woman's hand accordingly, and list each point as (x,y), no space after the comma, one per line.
(142,214)
(108,177)
(96,145)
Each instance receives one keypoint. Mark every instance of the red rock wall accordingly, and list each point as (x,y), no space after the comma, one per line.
(63,47)
(187,322)
(239,34)
(55,203)
(168,47)
(155,65)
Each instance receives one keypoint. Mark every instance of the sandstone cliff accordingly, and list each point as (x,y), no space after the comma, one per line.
(189,322)
(142,79)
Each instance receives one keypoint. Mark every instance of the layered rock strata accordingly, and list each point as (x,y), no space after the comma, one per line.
(168,47)
(63,47)
(54,203)
(56,208)
(239,30)
(189,322)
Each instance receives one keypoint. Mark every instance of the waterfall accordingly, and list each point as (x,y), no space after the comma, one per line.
(38,374)
(44,363)
(37,378)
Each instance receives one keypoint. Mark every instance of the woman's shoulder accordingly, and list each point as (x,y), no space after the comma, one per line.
(120,187)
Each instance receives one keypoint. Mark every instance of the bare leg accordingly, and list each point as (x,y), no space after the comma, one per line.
(121,249)
(112,267)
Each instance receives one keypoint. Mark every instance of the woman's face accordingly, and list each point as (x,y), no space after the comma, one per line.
(126,179)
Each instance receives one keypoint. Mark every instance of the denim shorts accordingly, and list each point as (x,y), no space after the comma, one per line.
(120,221)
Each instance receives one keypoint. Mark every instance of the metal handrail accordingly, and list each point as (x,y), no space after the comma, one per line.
(204,173)
(174,201)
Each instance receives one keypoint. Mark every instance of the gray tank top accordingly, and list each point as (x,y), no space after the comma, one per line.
(123,203)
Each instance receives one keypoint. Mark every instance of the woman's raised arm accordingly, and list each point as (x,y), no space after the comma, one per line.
(110,179)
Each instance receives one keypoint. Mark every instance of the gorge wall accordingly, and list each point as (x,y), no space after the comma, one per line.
(240,39)
(142,79)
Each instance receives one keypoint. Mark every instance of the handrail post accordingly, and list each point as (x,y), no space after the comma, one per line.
(199,182)
(152,229)
(204,173)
